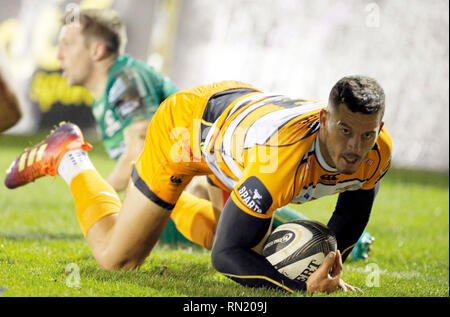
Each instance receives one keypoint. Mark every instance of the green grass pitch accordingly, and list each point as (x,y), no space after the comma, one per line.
(43,253)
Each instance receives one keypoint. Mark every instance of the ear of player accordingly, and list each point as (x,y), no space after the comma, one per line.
(43,158)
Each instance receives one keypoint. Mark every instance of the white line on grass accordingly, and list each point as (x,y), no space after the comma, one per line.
(412,275)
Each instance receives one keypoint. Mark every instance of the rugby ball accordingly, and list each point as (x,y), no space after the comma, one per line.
(297,248)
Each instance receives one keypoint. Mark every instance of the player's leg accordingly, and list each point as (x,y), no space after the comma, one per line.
(118,239)
(105,222)
(197,218)
(192,212)
(121,240)
(164,174)
(194,218)
(171,235)
(158,179)
(125,239)
(119,236)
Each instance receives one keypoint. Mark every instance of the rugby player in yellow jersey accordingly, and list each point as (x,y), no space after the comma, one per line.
(267,150)
(10,112)
(127,92)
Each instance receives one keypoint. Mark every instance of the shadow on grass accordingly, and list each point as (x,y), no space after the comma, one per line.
(39,236)
(189,279)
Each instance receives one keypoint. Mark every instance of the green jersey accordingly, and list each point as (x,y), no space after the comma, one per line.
(134,91)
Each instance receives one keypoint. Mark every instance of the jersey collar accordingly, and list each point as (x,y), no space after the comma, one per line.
(320,158)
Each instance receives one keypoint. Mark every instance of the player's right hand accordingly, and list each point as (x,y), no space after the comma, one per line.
(327,278)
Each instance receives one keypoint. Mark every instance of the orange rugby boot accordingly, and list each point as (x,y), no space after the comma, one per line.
(43,159)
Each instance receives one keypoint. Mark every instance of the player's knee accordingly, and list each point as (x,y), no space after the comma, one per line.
(124,265)
(121,264)
(203,232)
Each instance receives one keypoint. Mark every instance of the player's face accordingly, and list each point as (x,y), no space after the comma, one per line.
(348,137)
(73,53)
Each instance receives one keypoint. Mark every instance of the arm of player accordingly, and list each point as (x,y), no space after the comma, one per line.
(350,217)
(10,112)
(134,137)
(232,255)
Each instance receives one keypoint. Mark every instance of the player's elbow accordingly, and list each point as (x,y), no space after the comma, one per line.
(219,259)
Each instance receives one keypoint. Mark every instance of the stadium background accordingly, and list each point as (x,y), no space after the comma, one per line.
(297,47)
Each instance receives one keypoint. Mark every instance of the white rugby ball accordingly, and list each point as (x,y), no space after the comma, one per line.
(297,248)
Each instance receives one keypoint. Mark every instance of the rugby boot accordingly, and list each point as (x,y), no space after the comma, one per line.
(43,159)
(363,247)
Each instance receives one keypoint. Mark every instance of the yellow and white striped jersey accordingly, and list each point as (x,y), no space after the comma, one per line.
(264,148)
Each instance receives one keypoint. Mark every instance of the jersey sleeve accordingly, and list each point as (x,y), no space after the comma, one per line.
(383,150)
(350,217)
(233,255)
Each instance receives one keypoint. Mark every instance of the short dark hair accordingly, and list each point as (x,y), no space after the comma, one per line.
(359,93)
(105,24)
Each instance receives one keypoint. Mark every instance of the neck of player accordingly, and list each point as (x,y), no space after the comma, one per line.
(96,83)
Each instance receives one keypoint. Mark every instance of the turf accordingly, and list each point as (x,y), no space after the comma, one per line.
(43,253)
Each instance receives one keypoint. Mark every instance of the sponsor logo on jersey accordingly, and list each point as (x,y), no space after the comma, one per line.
(255,195)
(328,179)
(176,180)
